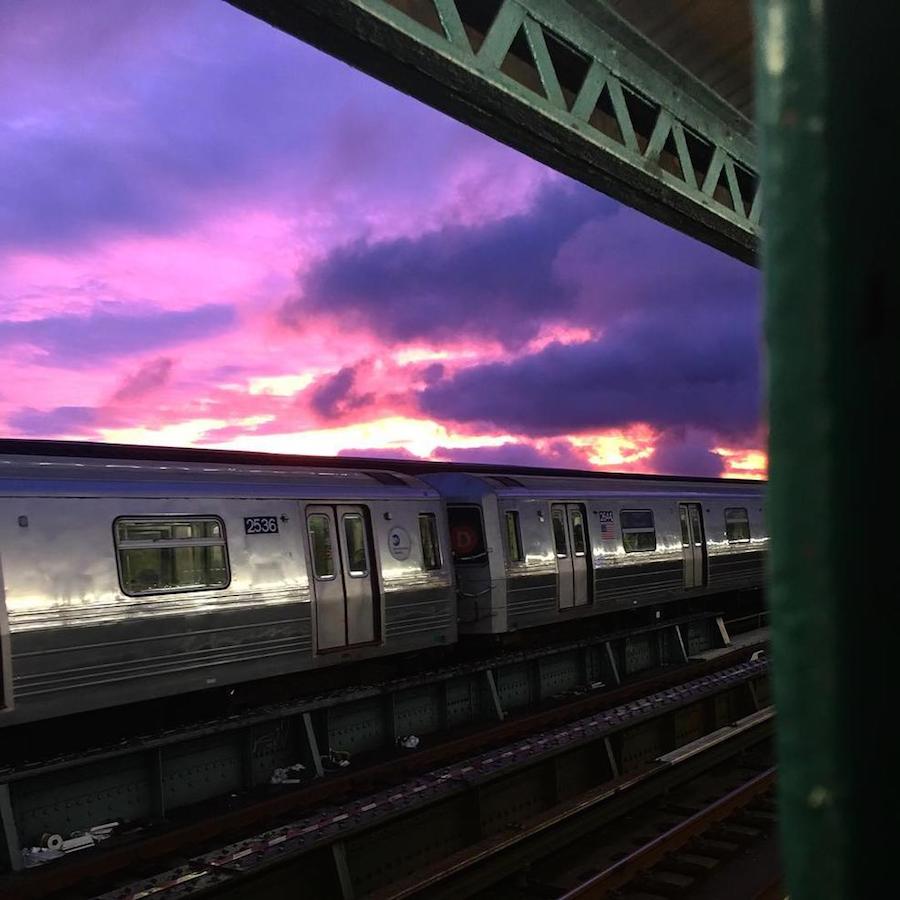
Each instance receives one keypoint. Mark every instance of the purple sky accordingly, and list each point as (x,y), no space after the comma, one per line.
(212,234)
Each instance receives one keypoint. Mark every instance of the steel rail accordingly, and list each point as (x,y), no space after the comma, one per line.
(234,864)
(106,861)
(626,870)
(566,823)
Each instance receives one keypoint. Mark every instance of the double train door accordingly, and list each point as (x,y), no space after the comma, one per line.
(693,545)
(343,580)
(570,539)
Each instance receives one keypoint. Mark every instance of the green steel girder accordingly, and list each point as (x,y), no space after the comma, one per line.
(566,82)
(827,105)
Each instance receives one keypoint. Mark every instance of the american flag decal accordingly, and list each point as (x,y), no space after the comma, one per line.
(607,529)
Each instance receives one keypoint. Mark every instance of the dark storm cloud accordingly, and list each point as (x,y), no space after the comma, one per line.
(679,453)
(335,395)
(653,372)
(678,323)
(433,372)
(572,257)
(558,454)
(73,340)
(378,453)
(46,423)
(496,280)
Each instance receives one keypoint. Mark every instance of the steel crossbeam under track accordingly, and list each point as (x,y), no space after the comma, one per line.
(568,82)
(452,819)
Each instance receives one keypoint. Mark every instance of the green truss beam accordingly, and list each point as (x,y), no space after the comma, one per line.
(566,82)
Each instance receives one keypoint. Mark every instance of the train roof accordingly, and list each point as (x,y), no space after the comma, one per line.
(73,470)
(464,487)
(410,467)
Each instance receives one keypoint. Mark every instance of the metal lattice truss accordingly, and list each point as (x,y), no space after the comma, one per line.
(565,81)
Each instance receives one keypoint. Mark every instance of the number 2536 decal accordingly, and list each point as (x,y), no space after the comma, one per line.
(261,525)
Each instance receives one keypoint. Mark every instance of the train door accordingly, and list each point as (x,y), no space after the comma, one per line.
(343,580)
(693,545)
(571,544)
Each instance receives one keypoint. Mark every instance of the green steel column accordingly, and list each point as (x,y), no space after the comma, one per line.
(828,78)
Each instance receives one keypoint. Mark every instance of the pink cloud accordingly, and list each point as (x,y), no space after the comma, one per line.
(173,184)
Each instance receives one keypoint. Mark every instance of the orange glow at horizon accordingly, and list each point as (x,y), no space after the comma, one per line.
(627,450)
(608,449)
(741,463)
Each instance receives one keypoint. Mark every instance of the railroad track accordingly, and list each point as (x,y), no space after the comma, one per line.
(547,854)
(371,841)
(217,819)
(684,856)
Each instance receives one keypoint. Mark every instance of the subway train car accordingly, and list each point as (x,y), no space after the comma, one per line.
(533,549)
(127,579)
(130,573)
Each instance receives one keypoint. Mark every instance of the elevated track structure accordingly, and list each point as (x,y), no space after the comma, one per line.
(577,86)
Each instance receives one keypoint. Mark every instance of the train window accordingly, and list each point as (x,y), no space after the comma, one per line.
(513,537)
(559,531)
(320,541)
(737,524)
(431,547)
(466,534)
(638,530)
(577,522)
(685,527)
(159,555)
(355,540)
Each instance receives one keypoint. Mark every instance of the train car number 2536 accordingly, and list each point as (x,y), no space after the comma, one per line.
(261,525)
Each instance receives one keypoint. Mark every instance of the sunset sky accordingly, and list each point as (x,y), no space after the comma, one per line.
(214,235)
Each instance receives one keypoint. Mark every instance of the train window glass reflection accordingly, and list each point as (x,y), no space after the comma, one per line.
(320,541)
(431,548)
(166,555)
(513,537)
(355,539)
(559,532)
(638,530)
(737,524)
(466,535)
(685,528)
(578,542)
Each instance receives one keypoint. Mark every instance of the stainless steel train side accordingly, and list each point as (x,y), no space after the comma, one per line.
(531,550)
(127,580)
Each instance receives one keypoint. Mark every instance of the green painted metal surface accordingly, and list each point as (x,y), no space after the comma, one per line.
(568,83)
(828,116)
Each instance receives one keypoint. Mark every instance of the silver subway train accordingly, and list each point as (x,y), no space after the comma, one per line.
(131,573)
(532,549)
